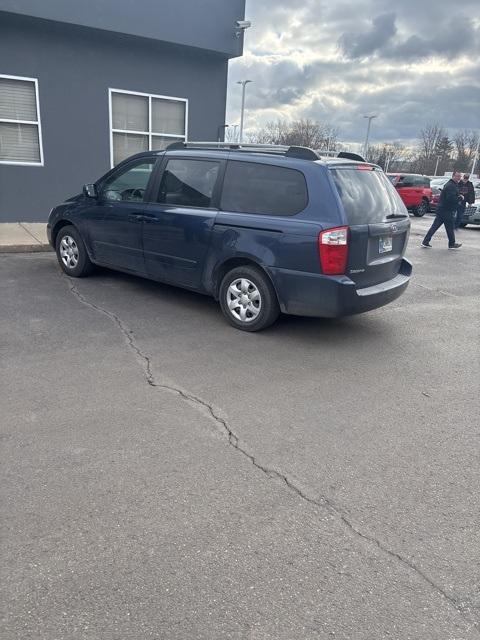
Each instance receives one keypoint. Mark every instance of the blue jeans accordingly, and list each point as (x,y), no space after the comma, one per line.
(446,218)
(460,211)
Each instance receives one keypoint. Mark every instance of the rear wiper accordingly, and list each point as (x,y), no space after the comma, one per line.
(395,215)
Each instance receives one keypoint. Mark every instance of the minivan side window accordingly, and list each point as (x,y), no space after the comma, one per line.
(128,183)
(188,183)
(251,187)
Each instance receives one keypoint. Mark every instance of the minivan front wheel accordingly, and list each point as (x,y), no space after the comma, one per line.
(71,253)
(248,299)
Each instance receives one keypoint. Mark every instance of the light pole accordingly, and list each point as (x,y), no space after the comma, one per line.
(219,131)
(436,166)
(365,147)
(242,112)
(475,158)
(388,159)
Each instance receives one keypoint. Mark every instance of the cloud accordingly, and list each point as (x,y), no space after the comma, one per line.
(335,62)
(449,41)
(360,45)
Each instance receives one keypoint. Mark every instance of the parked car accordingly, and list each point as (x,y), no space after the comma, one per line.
(415,191)
(439,181)
(263,231)
(471,214)
(437,185)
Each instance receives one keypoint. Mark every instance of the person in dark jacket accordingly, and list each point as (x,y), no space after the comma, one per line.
(466,189)
(446,211)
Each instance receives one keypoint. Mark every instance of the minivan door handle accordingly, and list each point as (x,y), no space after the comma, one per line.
(135,217)
(149,217)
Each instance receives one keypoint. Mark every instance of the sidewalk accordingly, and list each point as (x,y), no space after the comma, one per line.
(19,237)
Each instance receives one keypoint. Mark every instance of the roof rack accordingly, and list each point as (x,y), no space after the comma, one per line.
(304,153)
(326,153)
(341,154)
(351,156)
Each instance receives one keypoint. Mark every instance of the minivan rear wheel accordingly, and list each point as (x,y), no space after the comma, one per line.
(248,299)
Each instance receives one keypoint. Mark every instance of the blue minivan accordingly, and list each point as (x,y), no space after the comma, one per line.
(262,229)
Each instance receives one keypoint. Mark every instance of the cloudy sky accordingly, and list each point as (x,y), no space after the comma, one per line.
(410,62)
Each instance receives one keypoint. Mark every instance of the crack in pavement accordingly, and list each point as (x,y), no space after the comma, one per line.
(445,293)
(322,502)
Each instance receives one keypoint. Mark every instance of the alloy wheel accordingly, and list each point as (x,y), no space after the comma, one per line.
(69,252)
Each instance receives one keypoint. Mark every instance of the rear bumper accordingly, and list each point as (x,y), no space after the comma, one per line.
(309,294)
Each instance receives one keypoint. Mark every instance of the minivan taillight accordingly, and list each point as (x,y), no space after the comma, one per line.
(333,248)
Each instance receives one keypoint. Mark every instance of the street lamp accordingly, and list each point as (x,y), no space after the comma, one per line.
(219,131)
(242,112)
(436,166)
(388,159)
(475,158)
(365,147)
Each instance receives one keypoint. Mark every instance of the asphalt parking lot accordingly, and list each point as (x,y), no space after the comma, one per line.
(166,476)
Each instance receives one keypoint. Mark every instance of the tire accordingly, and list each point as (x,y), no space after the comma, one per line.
(257,306)
(71,253)
(421,210)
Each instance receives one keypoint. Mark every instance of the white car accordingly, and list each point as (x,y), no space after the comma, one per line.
(472,212)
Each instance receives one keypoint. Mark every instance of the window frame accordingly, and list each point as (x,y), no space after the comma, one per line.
(123,167)
(37,123)
(148,133)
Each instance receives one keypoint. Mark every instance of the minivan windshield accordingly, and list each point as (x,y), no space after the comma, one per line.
(367,196)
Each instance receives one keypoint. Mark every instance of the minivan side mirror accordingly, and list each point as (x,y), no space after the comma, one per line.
(90,191)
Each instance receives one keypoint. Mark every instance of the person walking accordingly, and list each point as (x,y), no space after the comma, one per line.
(466,189)
(445,213)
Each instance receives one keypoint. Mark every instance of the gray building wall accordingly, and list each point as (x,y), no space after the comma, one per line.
(75,66)
(206,24)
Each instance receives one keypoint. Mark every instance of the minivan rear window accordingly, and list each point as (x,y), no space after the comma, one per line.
(367,196)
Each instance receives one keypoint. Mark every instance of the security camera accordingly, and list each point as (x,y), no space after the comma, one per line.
(243,24)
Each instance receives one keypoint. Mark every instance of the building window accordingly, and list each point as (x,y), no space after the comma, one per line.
(144,122)
(20,128)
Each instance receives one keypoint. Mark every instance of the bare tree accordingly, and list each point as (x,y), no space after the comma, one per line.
(303,133)
(231,134)
(433,143)
(391,156)
(465,144)
(274,132)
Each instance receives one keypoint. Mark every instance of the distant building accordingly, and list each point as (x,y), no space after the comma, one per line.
(84,84)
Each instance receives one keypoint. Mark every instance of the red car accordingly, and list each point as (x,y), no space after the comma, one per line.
(414,189)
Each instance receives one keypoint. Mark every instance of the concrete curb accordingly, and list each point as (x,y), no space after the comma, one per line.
(25,248)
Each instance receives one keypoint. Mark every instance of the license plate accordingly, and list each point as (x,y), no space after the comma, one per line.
(385,244)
